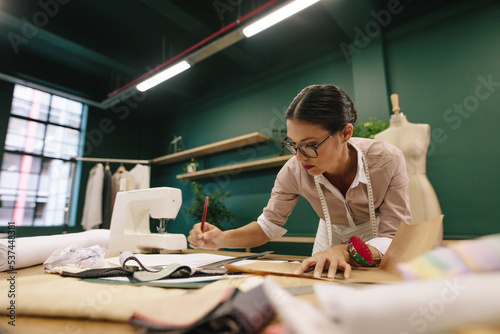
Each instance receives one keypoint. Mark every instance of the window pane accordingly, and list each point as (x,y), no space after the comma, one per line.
(65,112)
(23,209)
(35,176)
(61,142)
(53,192)
(9,180)
(26,219)
(12,162)
(26,136)
(22,172)
(30,103)
(6,212)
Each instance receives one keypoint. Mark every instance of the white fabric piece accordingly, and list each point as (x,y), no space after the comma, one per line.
(272,231)
(298,316)
(141,175)
(31,251)
(92,209)
(435,306)
(380,243)
(81,257)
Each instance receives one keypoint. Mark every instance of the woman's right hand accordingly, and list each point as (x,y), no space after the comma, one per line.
(210,238)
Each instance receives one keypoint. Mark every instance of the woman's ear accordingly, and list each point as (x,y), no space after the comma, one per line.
(347,132)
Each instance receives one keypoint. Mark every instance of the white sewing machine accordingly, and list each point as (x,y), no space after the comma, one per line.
(130,228)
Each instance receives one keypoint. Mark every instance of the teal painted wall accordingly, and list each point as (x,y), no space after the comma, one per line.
(439,67)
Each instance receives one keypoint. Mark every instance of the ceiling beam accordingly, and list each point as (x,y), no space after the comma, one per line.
(187,22)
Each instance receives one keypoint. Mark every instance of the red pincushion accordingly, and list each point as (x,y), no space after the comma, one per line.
(362,248)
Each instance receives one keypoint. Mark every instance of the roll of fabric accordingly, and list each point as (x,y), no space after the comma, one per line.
(32,251)
(430,306)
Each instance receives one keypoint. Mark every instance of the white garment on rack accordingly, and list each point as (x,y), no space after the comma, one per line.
(141,175)
(92,209)
(121,173)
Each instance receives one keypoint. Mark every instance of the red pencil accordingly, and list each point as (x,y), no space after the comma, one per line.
(204,215)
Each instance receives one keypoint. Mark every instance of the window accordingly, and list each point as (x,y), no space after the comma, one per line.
(43,134)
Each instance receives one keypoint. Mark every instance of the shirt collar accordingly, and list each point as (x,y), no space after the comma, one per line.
(360,173)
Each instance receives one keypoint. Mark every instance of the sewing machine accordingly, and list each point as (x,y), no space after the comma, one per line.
(130,228)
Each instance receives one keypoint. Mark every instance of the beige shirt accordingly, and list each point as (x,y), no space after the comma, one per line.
(387,168)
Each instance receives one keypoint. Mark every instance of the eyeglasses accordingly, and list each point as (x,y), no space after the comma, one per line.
(309,151)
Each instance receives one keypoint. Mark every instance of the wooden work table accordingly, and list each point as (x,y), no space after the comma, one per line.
(51,325)
(47,325)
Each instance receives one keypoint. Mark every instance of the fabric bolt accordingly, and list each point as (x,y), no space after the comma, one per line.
(62,297)
(225,310)
(387,169)
(92,209)
(31,251)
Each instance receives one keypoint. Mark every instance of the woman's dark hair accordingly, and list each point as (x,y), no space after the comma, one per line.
(325,105)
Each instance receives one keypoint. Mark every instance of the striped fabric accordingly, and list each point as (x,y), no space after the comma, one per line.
(467,256)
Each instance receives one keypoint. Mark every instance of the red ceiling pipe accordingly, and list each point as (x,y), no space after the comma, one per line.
(196,46)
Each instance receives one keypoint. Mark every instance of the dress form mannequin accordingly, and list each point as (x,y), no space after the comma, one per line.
(413,140)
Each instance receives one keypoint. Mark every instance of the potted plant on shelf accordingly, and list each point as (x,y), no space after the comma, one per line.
(217,212)
(370,128)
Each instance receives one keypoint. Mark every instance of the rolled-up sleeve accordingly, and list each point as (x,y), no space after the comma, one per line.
(284,197)
(272,231)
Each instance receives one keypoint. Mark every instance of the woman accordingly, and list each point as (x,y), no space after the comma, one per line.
(356,186)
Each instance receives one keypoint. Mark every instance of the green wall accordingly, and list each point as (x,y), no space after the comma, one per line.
(439,66)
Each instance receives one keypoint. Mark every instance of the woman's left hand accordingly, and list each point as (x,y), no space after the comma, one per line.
(334,258)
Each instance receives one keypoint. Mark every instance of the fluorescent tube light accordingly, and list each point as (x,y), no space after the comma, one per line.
(277,16)
(163,75)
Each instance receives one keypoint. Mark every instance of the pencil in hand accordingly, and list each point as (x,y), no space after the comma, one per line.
(204,215)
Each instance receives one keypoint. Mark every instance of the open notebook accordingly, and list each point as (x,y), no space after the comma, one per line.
(153,267)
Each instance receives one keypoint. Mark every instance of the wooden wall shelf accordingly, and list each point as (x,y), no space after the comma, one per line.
(224,145)
(299,240)
(237,168)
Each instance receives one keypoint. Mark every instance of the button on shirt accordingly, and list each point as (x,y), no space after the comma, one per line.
(387,168)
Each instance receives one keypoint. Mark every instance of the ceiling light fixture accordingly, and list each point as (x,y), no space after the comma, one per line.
(277,16)
(163,76)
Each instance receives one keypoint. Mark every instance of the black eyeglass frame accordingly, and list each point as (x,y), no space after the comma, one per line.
(296,148)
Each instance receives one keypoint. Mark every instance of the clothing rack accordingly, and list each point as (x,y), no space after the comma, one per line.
(109,160)
(85,159)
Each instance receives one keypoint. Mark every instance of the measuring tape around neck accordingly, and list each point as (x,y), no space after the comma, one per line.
(371,204)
